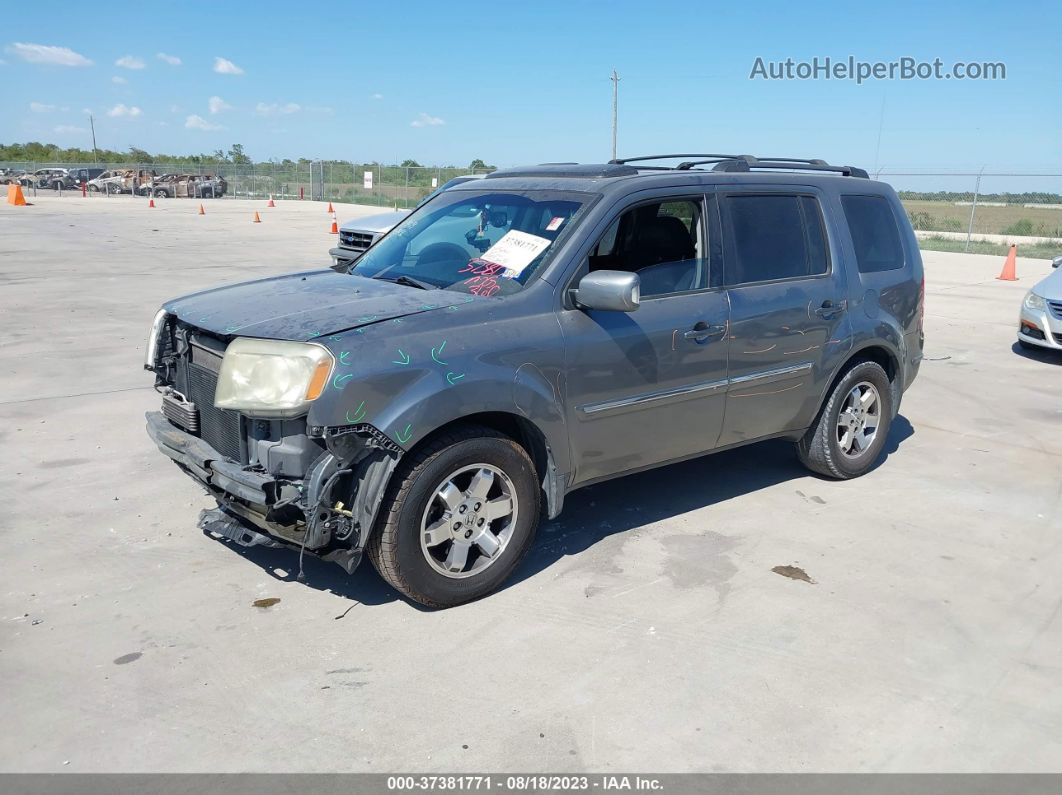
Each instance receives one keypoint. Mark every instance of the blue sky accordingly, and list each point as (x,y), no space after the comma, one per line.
(513,83)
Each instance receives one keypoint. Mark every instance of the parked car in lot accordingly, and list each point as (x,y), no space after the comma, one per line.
(42,177)
(357,235)
(10,175)
(184,186)
(73,178)
(121,180)
(1040,319)
(540,330)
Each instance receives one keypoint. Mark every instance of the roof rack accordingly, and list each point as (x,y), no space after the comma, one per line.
(735,163)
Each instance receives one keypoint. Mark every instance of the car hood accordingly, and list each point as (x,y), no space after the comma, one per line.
(377,224)
(1050,286)
(301,306)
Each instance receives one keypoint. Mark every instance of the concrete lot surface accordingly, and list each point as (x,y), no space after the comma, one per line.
(646,631)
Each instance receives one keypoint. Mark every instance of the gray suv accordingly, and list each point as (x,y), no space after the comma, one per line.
(546,328)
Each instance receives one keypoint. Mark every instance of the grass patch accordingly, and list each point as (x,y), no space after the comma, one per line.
(1038,251)
(945,217)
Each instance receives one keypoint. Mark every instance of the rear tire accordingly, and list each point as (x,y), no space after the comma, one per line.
(406,549)
(840,443)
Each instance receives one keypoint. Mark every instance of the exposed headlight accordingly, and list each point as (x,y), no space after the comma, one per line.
(272,378)
(151,350)
(1034,302)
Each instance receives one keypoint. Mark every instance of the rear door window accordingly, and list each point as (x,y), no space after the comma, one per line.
(875,237)
(774,236)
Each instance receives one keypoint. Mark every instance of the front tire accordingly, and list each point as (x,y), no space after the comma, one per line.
(458,517)
(852,426)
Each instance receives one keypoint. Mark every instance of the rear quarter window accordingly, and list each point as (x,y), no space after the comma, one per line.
(875,237)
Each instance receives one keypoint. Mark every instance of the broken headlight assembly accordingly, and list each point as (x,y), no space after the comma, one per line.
(272,378)
(151,351)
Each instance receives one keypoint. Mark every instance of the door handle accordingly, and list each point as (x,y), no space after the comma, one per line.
(702,332)
(830,308)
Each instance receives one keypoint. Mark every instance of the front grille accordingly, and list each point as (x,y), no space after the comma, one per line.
(359,241)
(220,428)
(1058,339)
(1056,308)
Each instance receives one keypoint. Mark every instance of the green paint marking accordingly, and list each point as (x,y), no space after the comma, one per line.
(407,433)
(435,351)
(343,358)
(453,378)
(405,358)
(359,414)
(339,380)
(426,307)
(366,319)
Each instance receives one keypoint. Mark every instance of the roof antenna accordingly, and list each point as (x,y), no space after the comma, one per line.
(615,78)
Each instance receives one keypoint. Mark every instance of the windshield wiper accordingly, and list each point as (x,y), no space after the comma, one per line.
(409,281)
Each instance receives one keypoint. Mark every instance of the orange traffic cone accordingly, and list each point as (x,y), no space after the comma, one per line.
(270,201)
(257,220)
(14,195)
(151,203)
(335,227)
(201,210)
(330,210)
(1010,267)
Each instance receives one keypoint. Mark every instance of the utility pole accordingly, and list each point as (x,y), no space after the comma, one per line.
(92,124)
(615,78)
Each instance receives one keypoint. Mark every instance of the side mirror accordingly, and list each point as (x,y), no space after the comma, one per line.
(1056,262)
(612,291)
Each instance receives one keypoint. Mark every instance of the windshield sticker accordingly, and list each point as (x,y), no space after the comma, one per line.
(554,224)
(515,251)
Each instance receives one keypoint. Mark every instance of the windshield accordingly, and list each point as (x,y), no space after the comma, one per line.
(474,242)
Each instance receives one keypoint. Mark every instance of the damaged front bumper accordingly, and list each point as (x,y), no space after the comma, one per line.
(328,512)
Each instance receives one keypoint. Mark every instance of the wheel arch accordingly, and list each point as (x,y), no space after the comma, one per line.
(882,355)
(525,433)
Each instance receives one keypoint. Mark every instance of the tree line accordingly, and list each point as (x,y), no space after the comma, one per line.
(1029,197)
(36,152)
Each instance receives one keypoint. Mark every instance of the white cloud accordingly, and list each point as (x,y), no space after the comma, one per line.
(40,107)
(223,66)
(218,105)
(122,111)
(119,80)
(194,122)
(44,53)
(274,108)
(69,129)
(130,62)
(424,120)
(377,96)
(172,60)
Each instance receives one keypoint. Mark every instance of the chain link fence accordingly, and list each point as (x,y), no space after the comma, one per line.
(974,210)
(327,180)
(984,206)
